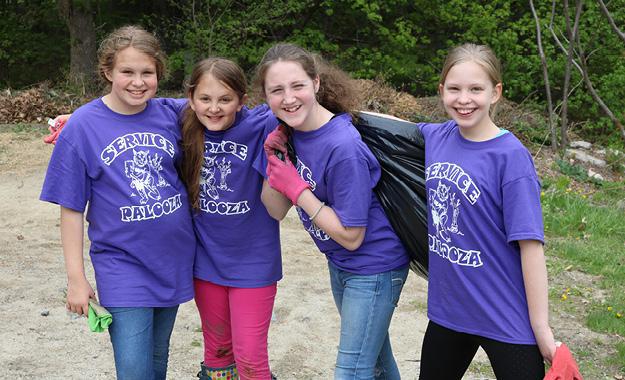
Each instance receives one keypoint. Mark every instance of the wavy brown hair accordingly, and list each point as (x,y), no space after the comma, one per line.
(230,75)
(129,36)
(336,92)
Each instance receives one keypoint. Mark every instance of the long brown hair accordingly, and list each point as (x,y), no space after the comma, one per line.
(230,75)
(336,92)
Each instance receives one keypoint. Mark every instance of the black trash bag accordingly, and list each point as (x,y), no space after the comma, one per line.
(399,147)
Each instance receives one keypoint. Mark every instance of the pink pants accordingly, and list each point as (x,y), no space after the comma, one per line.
(235,324)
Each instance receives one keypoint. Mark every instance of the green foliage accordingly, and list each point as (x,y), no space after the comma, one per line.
(615,160)
(30,48)
(574,171)
(537,133)
(402,42)
(241,31)
(589,233)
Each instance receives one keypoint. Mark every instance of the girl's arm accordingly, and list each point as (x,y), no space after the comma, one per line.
(78,288)
(284,178)
(277,205)
(325,218)
(535,280)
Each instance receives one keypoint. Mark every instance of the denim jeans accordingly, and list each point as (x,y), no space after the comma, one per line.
(140,338)
(366,304)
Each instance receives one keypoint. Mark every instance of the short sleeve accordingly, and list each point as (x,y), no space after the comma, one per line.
(66,183)
(424,128)
(178,105)
(349,191)
(521,210)
(260,161)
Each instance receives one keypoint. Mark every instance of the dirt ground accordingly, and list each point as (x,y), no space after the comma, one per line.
(40,340)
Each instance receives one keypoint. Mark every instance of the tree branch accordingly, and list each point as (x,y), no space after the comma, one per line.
(543,60)
(571,33)
(606,110)
(607,14)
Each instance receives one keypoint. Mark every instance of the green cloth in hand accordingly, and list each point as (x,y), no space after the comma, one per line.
(99,318)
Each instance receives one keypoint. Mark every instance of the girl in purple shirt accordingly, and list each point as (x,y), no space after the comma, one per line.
(118,155)
(238,261)
(487,274)
(331,183)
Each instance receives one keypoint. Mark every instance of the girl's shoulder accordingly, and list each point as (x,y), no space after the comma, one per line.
(177,105)
(258,118)
(345,140)
(436,128)
(510,145)
(88,114)
(260,112)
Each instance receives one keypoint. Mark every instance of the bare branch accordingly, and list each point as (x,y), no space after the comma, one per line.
(607,14)
(571,33)
(543,60)
(583,63)
(572,89)
(553,13)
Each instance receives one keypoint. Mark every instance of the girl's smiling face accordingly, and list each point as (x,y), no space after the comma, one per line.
(133,81)
(215,104)
(290,93)
(467,95)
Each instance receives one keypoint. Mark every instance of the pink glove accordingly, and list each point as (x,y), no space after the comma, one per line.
(276,140)
(55,126)
(563,366)
(284,178)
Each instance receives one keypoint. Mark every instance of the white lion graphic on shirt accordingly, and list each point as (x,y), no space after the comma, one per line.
(440,201)
(208,177)
(144,173)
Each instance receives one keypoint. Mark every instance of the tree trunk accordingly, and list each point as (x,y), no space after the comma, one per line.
(78,16)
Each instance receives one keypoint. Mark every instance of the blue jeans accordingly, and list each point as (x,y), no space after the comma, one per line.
(366,304)
(140,338)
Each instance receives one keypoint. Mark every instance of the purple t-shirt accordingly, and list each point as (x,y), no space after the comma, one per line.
(123,167)
(482,198)
(342,172)
(238,241)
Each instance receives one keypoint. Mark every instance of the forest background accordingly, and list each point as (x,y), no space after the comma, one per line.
(564,79)
(400,42)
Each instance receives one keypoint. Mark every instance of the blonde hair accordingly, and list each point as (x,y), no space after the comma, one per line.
(336,92)
(129,36)
(482,55)
(232,76)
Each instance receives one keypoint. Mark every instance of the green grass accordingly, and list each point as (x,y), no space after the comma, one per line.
(587,234)
(575,171)
(25,130)
(619,359)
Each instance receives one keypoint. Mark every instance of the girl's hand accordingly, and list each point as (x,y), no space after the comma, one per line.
(55,126)
(276,140)
(78,294)
(284,178)
(546,343)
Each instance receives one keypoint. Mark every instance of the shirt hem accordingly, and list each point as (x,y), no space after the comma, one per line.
(62,204)
(517,237)
(147,303)
(371,271)
(238,284)
(480,333)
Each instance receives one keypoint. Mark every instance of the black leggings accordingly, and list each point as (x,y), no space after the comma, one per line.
(446,355)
